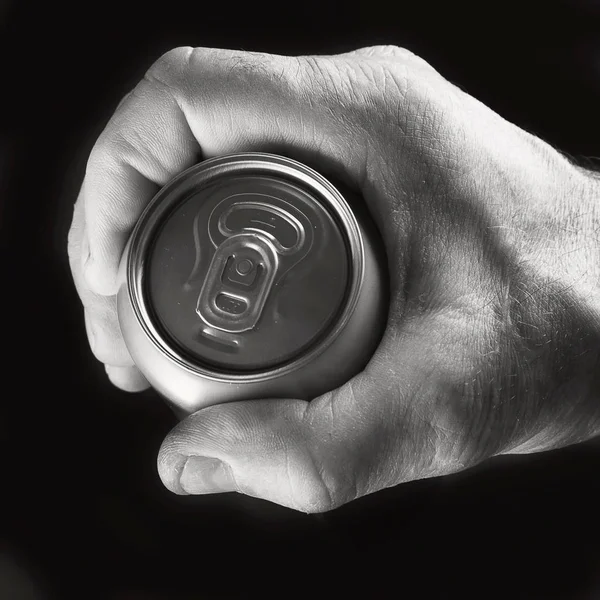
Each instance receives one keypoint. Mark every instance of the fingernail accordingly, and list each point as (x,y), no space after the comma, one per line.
(202,475)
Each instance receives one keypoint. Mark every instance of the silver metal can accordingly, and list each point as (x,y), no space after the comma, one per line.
(251,276)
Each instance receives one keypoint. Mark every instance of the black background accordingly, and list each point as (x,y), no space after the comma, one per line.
(83,510)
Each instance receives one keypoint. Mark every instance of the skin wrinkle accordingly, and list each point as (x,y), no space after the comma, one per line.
(498,398)
(423,457)
(331,406)
(533,356)
(412,413)
(124,225)
(483,309)
(186,135)
(148,165)
(341,483)
(103,153)
(290,479)
(507,314)
(327,485)
(174,94)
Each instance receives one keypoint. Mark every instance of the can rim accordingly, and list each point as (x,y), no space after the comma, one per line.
(202,174)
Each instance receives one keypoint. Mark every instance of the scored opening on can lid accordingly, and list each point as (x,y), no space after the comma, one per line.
(247,265)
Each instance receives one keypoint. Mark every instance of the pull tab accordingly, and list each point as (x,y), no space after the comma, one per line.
(285,231)
(240,277)
(285,225)
(257,243)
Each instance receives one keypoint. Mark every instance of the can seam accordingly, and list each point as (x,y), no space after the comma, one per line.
(203,174)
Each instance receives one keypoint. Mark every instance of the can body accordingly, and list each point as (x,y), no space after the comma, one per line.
(251,276)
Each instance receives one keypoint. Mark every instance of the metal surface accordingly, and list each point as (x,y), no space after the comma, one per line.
(296,280)
(337,346)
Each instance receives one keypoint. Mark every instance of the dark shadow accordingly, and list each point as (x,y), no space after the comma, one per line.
(83,506)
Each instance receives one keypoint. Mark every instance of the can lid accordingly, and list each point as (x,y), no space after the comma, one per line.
(247,270)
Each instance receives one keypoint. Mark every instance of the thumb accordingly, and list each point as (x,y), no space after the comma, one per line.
(310,457)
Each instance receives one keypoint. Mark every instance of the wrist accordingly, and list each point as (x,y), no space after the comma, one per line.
(560,354)
(573,244)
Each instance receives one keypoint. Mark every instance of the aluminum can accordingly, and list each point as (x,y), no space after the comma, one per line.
(252,276)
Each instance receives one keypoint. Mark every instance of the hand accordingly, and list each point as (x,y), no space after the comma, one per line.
(493,334)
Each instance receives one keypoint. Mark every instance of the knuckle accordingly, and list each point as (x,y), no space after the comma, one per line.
(332,84)
(385,51)
(194,72)
(318,500)
(396,53)
(257,70)
(396,60)
(325,490)
(332,478)
(169,73)
(189,61)
(124,99)
(101,157)
(170,61)
(392,50)
(323,493)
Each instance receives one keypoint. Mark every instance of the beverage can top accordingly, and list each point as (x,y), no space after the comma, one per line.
(248,265)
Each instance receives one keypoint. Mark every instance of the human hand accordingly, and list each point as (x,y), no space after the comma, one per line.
(493,332)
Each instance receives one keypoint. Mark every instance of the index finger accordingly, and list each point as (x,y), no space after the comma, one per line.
(145,144)
(197,103)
